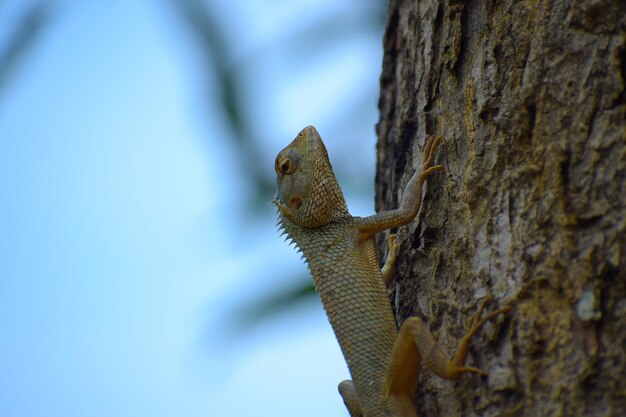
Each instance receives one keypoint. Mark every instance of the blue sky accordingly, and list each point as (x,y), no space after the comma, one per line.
(125,242)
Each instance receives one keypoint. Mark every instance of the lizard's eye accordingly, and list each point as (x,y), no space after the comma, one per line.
(285,165)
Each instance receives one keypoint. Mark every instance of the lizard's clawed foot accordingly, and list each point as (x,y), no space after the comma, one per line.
(474,323)
(430,150)
(390,262)
(392,245)
(429,154)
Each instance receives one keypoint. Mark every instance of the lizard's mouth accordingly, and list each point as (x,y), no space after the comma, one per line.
(295,203)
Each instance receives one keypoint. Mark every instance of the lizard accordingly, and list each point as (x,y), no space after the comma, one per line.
(340,251)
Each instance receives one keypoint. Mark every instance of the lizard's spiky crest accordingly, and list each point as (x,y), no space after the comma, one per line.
(282,229)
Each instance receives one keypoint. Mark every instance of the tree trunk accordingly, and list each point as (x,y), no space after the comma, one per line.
(530,98)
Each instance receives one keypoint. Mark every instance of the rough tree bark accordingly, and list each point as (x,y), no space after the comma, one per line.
(530,98)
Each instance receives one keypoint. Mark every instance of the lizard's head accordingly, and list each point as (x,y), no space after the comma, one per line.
(308,193)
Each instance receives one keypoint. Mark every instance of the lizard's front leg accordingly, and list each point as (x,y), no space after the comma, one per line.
(415,344)
(411,199)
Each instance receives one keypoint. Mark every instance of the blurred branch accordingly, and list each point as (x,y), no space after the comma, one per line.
(203,23)
(317,36)
(215,46)
(260,311)
(21,41)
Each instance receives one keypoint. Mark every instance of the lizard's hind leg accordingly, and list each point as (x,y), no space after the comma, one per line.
(415,344)
(350,398)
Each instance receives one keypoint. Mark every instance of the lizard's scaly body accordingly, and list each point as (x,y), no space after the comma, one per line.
(347,275)
(340,250)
